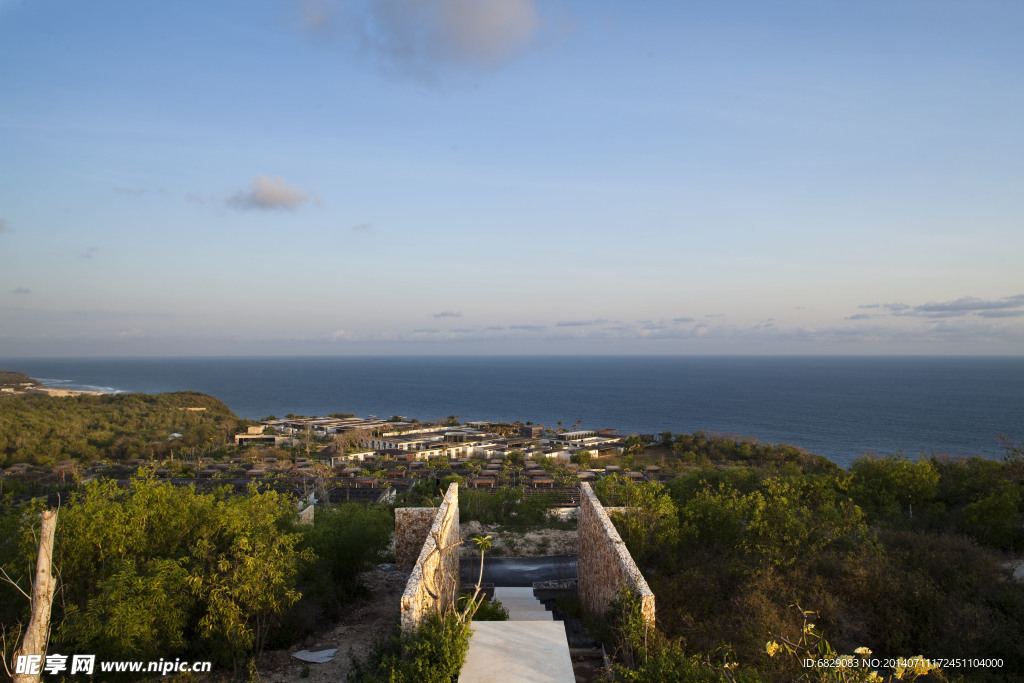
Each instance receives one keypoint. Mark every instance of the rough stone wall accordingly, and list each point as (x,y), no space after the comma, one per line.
(412,525)
(306,516)
(605,564)
(434,581)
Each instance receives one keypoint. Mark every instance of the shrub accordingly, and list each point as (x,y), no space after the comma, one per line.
(886,487)
(434,653)
(488,610)
(346,538)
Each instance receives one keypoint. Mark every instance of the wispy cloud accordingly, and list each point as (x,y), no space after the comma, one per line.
(580,323)
(860,316)
(196,198)
(270,194)
(318,17)
(888,307)
(5,226)
(970,304)
(363,227)
(131,191)
(448,314)
(528,328)
(139,191)
(1000,314)
(417,38)
(88,252)
(1007,307)
(682,320)
(21,290)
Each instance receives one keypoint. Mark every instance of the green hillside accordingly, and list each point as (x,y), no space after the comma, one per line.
(43,430)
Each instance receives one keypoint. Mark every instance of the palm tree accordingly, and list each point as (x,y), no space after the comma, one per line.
(483,544)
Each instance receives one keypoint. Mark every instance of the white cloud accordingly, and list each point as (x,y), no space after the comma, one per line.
(340,335)
(269,194)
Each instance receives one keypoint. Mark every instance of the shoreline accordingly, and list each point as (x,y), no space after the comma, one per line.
(57,393)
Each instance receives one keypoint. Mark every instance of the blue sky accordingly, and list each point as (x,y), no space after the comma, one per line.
(511,176)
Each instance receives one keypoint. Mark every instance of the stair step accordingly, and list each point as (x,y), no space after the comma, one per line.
(521,604)
(502,651)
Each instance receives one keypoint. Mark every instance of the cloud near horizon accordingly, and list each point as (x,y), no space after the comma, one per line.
(21,290)
(1007,307)
(580,323)
(448,314)
(270,194)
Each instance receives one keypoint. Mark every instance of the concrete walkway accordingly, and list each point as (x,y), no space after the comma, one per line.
(530,646)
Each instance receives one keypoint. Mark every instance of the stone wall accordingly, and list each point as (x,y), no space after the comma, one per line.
(412,525)
(605,564)
(434,581)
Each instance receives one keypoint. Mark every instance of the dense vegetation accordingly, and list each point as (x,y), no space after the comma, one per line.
(43,430)
(152,570)
(898,555)
(9,378)
(901,556)
(433,653)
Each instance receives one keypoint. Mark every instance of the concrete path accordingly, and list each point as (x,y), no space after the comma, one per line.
(530,646)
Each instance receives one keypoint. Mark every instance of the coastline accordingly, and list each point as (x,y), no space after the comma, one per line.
(837,407)
(50,391)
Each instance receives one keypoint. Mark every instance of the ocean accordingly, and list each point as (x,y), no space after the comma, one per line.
(838,407)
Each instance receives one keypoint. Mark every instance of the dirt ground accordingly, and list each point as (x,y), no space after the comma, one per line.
(363,624)
(507,543)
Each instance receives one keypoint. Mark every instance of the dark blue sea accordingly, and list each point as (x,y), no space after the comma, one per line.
(838,407)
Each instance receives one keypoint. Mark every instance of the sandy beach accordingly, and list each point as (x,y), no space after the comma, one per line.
(49,391)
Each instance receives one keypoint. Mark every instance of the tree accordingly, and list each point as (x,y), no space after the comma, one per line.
(996,518)
(650,523)
(483,544)
(634,445)
(1014,459)
(879,485)
(249,568)
(581,458)
(146,565)
(37,634)
(349,439)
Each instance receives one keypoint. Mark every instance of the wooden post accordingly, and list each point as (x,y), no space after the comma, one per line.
(38,632)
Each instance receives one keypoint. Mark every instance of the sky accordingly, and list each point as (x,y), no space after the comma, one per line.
(290,177)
